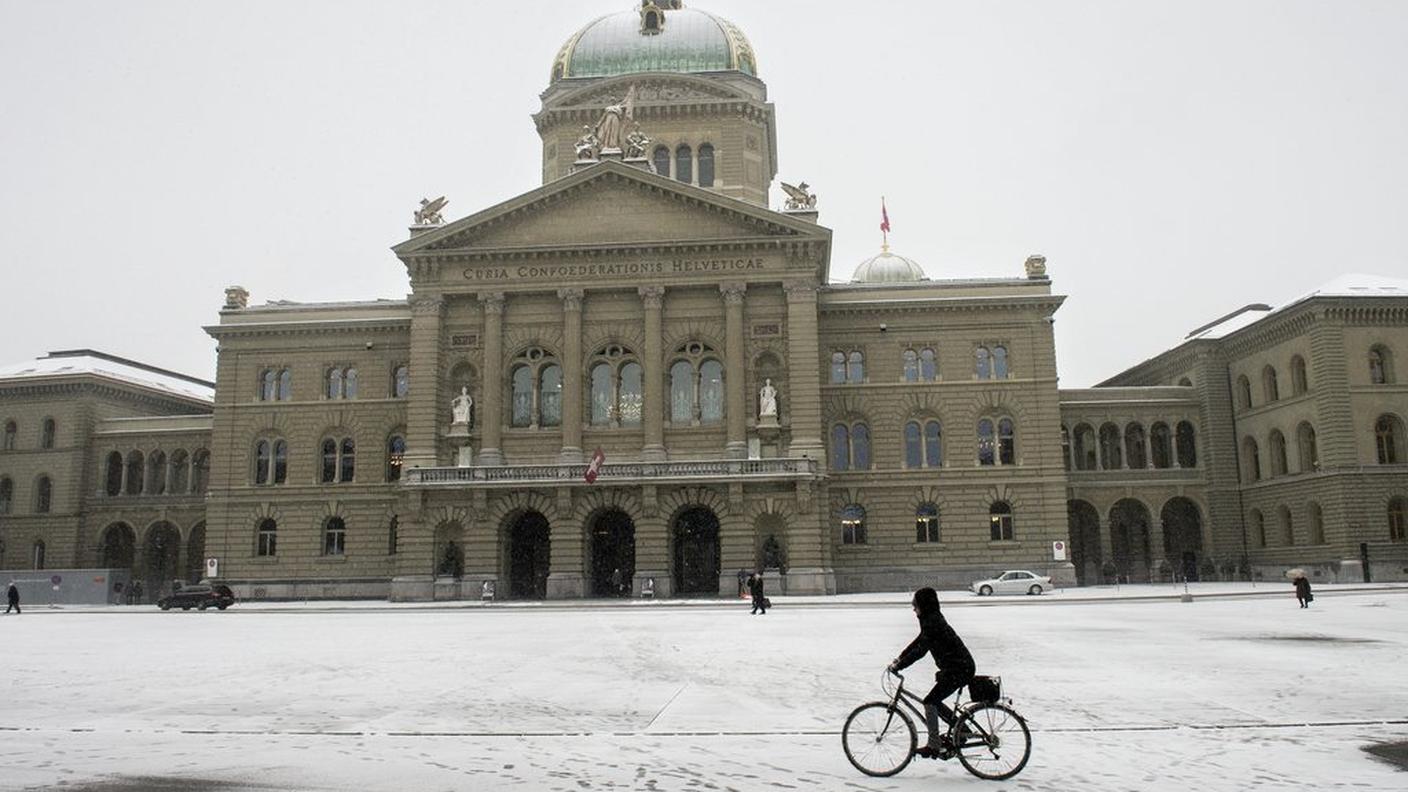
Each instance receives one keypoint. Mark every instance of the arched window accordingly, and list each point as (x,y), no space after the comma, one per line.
(1000,521)
(401,381)
(840,447)
(1251,460)
(1308,453)
(603,397)
(1244,392)
(136,472)
(267,538)
(983,365)
(860,446)
(852,525)
(112,478)
(43,495)
(1317,523)
(838,369)
(1184,382)
(1187,445)
(1388,439)
(1006,442)
(1066,446)
(268,385)
(928,365)
(1397,519)
(913,445)
(11,430)
(1288,531)
(1110,443)
(1160,445)
(7,494)
(911,365)
(339,460)
(180,472)
(630,394)
(1085,454)
(926,523)
(696,385)
(684,164)
(395,456)
(46,434)
(550,395)
(1380,365)
(522,397)
(1269,389)
(37,555)
(1134,451)
(1257,525)
(662,161)
(266,471)
(285,385)
(342,382)
(711,392)
(855,367)
(335,537)
(200,471)
(1276,444)
(987,443)
(706,165)
(156,473)
(999,362)
(1299,382)
(933,444)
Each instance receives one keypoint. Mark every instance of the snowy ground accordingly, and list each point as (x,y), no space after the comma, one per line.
(1122,693)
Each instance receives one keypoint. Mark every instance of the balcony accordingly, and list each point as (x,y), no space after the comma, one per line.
(678,472)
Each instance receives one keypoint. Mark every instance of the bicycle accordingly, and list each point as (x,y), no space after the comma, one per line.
(989,738)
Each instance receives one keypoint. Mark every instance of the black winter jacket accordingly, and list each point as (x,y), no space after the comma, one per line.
(936,637)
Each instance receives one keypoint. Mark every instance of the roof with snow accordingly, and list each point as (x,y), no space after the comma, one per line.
(88,362)
(1351,285)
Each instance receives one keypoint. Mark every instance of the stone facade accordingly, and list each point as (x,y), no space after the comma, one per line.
(614,328)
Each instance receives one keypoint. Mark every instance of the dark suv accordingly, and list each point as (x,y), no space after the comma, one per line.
(201,596)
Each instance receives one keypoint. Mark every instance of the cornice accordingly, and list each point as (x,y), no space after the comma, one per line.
(309,327)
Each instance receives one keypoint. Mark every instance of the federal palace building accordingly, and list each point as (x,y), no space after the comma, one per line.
(638,378)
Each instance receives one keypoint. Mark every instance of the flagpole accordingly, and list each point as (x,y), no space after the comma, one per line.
(884,228)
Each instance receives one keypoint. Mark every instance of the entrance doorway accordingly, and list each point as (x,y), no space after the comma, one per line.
(161,555)
(1084,524)
(696,533)
(529,551)
(1183,535)
(1129,541)
(612,536)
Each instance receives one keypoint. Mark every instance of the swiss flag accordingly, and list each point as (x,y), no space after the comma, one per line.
(594,467)
(884,217)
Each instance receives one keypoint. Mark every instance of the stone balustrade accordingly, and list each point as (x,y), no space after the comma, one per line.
(683,471)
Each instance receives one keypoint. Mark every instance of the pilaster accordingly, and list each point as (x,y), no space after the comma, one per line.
(421,443)
(571,375)
(493,393)
(653,410)
(804,376)
(735,369)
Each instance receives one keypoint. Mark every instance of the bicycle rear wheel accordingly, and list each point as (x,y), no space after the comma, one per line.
(878,739)
(993,741)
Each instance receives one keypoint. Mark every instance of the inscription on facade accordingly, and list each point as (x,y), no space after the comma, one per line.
(555,272)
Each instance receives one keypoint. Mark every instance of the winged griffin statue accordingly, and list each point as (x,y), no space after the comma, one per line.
(429,211)
(799,197)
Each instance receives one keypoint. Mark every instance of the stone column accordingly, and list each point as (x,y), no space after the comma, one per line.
(653,411)
(735,370)
(491,434)
(803,392)
(1107,545)
(421,408)
(571,375)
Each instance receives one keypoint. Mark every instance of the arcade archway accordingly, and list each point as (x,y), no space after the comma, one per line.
(696,556)
(161,559)
(1129,540)
(611,535)
(195,554)
(1183,535)
(529,552)
(1084,524)
(118,548)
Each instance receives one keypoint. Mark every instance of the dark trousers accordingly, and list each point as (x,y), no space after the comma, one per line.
(1304,602)
(14,605)
(759,605)
(946,683)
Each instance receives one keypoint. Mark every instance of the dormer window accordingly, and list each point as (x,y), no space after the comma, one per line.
(652,18)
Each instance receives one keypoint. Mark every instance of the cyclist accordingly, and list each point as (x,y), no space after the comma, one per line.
(955,664)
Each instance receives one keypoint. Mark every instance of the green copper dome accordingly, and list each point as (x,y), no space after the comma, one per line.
(655,38)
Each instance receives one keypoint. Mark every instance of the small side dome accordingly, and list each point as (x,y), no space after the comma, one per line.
(888,267)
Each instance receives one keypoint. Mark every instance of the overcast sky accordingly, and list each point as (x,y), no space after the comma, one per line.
(1173,160)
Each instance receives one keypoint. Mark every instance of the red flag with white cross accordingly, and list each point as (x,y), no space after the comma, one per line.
(594,466)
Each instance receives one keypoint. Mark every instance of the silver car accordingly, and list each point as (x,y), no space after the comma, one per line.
(1013,581)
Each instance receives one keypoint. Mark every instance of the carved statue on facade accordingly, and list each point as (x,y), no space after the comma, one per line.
(767,400)
(429,211)
(1036,266)
(461,406)
(610,130)
(587,145)
(799,198)
(636,143)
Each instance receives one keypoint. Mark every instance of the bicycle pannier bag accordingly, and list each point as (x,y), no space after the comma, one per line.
(985,688)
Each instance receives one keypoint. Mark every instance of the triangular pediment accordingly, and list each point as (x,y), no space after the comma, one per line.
(611,205)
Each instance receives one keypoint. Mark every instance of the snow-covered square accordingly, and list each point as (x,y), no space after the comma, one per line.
(1227,692)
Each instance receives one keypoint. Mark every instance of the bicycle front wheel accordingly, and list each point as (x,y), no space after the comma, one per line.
(993,741)
(879,739)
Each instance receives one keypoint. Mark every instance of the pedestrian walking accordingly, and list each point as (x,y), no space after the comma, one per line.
(616,582)
(12,595)
(1303,594)
(760,601)
(743,578)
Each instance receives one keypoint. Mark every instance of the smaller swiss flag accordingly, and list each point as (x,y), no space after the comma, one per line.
(594,466)
(884,217)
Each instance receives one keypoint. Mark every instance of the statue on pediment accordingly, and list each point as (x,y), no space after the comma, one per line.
(636,144)
(429,211)
(799,198)
(610,129)
(587,145)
